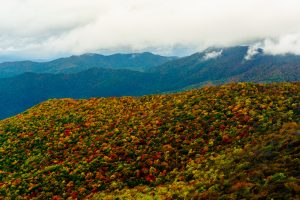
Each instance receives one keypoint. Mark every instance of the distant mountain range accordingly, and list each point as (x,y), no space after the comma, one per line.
(93,75)
(75,64)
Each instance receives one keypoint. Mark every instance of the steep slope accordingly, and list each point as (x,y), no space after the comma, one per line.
(266,68)
(228,64)
(230,141)
(73,64)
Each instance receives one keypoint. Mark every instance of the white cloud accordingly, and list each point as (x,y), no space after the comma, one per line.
(50,28)
(286,44)
(283,45)
(212,55)
(252,51)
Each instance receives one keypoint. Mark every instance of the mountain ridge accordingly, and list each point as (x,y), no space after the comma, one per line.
(75,64)
(213,66)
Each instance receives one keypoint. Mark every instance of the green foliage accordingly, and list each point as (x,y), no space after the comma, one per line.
(230,142)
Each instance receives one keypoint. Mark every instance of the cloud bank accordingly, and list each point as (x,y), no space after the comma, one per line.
(285,44)
(44,29)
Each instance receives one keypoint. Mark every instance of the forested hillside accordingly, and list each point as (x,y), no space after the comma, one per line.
(232,141)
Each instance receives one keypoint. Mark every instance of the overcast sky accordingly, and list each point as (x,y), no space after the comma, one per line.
(46,29)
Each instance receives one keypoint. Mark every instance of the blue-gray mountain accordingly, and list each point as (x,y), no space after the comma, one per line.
(229,65)
(211,66)
(75,64)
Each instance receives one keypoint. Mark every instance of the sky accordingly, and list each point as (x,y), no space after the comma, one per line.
(47,29)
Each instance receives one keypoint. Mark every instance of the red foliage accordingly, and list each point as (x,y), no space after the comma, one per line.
(150,178)
(67,132)
(74,195)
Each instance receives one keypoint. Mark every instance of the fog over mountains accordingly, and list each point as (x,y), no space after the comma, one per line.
(149,99)
(24,84)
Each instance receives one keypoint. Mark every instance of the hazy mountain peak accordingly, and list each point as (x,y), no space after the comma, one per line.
(90,54)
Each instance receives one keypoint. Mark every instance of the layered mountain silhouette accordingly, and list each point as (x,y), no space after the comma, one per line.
(75,64)
(93,75)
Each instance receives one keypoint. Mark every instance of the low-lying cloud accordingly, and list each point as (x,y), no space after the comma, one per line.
(287,44)
(283,45)
(45,29)
(252,51)
(212,55)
